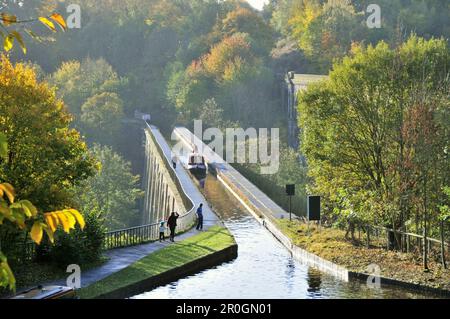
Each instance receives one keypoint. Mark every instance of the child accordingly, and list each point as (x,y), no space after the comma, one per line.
(162,231)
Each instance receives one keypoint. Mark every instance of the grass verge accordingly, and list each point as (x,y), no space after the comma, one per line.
(330,244)
(176,255)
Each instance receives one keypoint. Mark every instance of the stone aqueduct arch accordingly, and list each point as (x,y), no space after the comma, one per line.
(161,193)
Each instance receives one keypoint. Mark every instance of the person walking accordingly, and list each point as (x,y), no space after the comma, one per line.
(162,231)
(172,223)
(174,161)
(200,217)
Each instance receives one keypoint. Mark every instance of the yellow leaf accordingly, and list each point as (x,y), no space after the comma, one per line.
(50,235)
(48,23)
(8,43)
(59,20)
(78,217)
(36,232)
(70,218)
(33,35)
(19,39)
(64,221)
(3,142)
(7,189)
(51,221)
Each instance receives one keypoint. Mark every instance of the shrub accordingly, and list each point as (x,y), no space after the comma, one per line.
(80,247)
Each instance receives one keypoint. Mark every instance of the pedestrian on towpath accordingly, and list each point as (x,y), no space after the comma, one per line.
(172,223)
(162,231)
(200,217)
(174,161)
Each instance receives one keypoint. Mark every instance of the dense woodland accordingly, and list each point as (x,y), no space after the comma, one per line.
(375,136)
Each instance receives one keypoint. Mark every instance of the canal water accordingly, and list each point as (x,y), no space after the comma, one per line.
(264,269)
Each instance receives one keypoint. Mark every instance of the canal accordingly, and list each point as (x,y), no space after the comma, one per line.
(264,269)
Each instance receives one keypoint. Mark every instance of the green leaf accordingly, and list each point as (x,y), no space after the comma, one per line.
(5,211)
(27,205)
(3,146)
(19,217)
(6,274)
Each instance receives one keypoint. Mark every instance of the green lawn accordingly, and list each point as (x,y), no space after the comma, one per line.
(210,241)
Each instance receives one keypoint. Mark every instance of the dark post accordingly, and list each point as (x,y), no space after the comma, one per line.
(425,247)
(368,235)
(290,191)
(444,264)
(290,208)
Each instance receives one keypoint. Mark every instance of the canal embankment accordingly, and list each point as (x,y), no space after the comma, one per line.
(269,214)
(180,259)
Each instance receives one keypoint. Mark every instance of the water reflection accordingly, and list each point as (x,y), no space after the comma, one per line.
(263,269)
(314,282)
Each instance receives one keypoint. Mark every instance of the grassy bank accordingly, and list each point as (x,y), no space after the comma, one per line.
(208,242)
(330,244)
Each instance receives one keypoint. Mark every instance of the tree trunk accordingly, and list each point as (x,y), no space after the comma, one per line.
(425,246)
(444,264)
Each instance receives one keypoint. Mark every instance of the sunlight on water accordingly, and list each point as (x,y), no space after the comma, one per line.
(264,268)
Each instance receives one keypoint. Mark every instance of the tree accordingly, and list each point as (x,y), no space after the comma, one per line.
(20,213)
(79,81)
(113,192)
(227,73)
(45,156)
(326,32)
(211,114)
(243,20)
(91,90)
(361,154)
(101,117)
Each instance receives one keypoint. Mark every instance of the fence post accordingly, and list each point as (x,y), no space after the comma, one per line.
(368,235)
(425,248)
(408,243)
(444,264)
(388,246)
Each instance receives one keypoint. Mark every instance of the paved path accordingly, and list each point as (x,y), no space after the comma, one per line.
(123,257)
